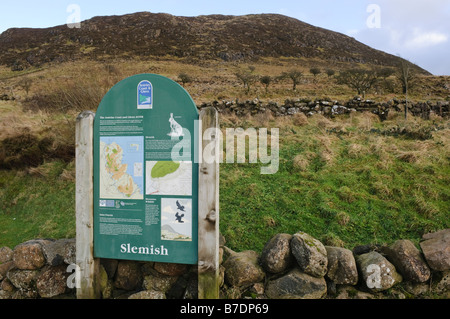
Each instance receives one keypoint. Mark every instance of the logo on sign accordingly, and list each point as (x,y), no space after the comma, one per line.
(145,95)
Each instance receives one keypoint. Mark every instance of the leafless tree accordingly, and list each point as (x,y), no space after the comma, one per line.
(358,79)
(407,77)
(295,77)
(247,79)
(266,80)
(26,83)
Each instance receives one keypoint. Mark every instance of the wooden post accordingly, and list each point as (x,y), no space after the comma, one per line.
(87,265)
(208,206)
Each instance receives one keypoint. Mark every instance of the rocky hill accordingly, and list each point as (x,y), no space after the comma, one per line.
(230,38)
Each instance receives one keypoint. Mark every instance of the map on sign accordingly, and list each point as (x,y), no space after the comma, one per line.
(121,167)
(168,178)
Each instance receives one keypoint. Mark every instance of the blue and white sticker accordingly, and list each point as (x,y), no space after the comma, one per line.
(145,95)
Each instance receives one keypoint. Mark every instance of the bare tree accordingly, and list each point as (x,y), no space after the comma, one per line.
(247,79)
(266,80)
(26,83)
(295,77)
(358,79)
(407,77)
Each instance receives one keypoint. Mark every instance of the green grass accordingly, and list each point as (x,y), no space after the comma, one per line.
(339,180)
(347,201)
(36,206)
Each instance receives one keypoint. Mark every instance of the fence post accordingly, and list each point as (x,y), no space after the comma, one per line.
(208,206)
(87,265)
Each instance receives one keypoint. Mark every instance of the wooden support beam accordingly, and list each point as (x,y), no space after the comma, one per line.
(208,205)
(87,265)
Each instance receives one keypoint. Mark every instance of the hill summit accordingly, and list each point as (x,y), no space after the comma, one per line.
(144,34)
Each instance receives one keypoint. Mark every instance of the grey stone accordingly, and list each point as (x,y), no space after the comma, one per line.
(30,255)
(55,252)
(310,254)
(70,252)
(148,294)
(6,254)
(158,282)
(408,260)
(52,281)
(23,279)
(415,288)
(342,268)
(170,269)
(242,269)
(4,268)
(441,283)
(296,285)
(349,292)
(377,273)
(436,249)
(128,275)
(276,256)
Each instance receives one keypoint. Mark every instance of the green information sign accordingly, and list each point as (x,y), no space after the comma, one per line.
(146,173)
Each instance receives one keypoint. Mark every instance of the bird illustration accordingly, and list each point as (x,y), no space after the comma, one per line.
(180,207)
(179,217)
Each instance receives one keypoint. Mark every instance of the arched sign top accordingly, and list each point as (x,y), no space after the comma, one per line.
(145,193)
(147,92)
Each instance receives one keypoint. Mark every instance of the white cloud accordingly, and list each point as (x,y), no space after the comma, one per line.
(422,39)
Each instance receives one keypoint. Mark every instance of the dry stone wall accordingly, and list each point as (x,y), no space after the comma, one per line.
(331,108)
(290,266)
(299,266)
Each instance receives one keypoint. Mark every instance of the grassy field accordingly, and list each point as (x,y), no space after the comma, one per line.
(347,181)
(344,181)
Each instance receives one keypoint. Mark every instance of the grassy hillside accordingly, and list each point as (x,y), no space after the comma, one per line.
(350,180)
(345,181)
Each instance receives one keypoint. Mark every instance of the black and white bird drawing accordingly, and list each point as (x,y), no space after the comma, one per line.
(180,207)
(179,218)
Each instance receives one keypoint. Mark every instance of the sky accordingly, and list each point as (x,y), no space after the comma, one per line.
(417,30)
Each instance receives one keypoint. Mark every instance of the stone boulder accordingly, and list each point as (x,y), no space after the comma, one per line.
(342,268)
(110,266)
(4,268)
(148,294)
(158,282)
(296,285)
(242,269)
(24,280)
(55,252)
(70,252)
(6,254)
(408,261)
(128,275)
(377,273)
(30,255)
(276,256)
(436,249)
(170,269)
(349,292)
(441,284)
(310,254)
(52,281)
